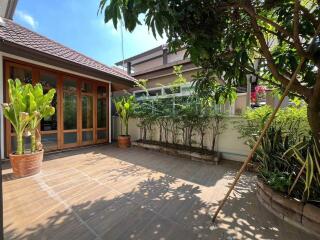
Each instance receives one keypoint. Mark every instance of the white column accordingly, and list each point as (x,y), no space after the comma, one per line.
(110,113)
(1,113)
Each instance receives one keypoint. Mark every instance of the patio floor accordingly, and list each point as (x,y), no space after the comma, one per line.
(107,193)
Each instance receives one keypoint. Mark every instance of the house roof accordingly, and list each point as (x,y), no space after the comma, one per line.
(11,32)
(146,53)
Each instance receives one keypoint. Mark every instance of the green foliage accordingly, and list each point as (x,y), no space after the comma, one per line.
(307,154)
(125,107)
(227,37)
(28,105)
(17,110)
(207,86)
(292,120)
(288,157)
(40,105)
(181,117)
(219,34)
(279,181)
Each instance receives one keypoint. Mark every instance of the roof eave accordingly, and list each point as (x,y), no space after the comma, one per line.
(25,52)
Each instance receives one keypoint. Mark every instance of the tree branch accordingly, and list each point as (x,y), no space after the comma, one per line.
(309,15)
(296,39)
(296,87)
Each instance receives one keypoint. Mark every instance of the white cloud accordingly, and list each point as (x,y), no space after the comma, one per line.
(28,19)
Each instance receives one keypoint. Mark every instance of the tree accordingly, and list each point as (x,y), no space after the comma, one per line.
(226,37)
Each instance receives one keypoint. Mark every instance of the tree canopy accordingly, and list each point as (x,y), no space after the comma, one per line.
(227,38)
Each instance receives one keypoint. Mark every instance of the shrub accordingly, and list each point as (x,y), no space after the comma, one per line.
(288,158)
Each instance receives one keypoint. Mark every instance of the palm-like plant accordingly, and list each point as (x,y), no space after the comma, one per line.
(17,111)
(125,108)
(40,105)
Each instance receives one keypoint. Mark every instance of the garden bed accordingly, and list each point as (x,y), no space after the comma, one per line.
(305,216)
(193,153)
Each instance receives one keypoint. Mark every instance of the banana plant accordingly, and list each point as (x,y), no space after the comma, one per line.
(125,108)
(40,107)
(16,111)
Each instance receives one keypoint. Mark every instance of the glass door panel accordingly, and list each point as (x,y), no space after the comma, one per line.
(69,111)
(49,125)
(102,112)
(70,118)
(24,74)
(87,113)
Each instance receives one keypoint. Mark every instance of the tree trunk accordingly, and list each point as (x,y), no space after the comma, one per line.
(19,144)
(160,134)
(213,143)
(127,126)
(190,137)
(33,140)
(314,120)
(202,137)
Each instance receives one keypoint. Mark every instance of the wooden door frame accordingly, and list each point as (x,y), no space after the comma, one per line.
(57,78)
(36,70)
(106,85)
(93,95)
(78,120)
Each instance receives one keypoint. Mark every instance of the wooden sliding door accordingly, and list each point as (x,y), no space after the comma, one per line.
(50,130)
(102,113)
(70,113)
(82,108)
(87,113)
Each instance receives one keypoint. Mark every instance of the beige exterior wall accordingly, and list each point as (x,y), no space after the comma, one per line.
(148,65)
(144,58)
(155,60)
(241,103)
(173,57)
(228,143)
(167,79)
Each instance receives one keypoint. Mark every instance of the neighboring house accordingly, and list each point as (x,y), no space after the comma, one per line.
(156,65)
(83,86)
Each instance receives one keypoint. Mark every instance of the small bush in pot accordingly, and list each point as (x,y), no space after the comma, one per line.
(25,111)
(125,106)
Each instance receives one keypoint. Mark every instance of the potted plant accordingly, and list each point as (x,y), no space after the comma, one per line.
(28,105)
(125,106)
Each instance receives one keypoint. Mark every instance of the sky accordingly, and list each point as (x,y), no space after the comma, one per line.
(75,24)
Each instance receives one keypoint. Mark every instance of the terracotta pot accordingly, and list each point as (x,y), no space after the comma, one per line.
(124,141)
(26,164)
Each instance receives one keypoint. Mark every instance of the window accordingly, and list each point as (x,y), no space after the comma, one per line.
(184,90)
(156,92)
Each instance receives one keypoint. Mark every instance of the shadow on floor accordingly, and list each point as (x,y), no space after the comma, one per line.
(193,171)
(160,209)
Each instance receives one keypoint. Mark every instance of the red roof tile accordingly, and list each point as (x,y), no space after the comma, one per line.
(19,35)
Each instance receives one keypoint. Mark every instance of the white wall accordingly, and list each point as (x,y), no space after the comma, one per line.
(228,143)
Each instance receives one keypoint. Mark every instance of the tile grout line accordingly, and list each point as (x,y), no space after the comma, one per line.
(56,196)
(150,209)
